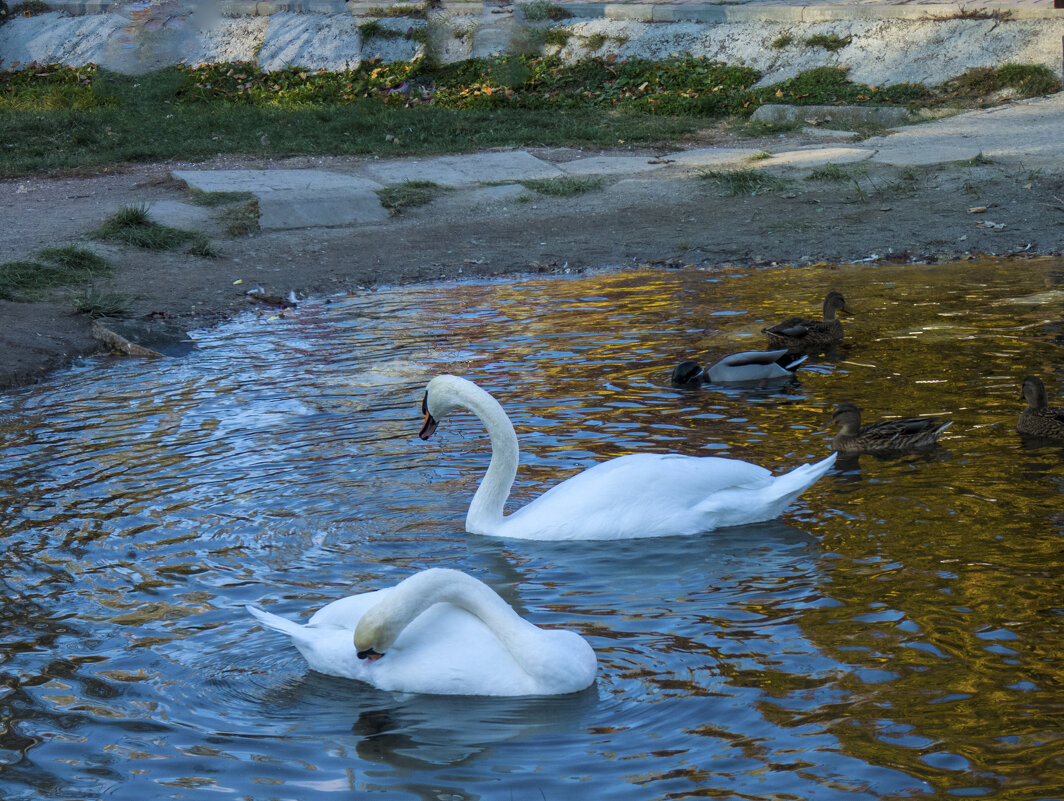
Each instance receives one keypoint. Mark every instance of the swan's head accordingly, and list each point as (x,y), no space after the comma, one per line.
(442,396)
(374,635)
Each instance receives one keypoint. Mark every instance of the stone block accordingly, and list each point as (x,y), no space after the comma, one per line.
(707,15)
(886,116)
(465,170)
(611,165)
(632,13)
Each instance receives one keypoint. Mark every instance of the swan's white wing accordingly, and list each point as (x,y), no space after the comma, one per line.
(641,495)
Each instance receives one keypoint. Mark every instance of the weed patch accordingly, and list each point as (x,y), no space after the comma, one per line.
(242,220)
(782,41)
(746,181)
(131,225)
(540,10)
(28,280)
(409,194)
(97,303)
(832,42)
(565,186)
(210,199)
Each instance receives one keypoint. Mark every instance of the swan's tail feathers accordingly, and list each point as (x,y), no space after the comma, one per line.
(802,477)
(275,622)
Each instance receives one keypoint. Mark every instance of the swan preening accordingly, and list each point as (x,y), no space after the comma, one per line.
(440,632)
(640,495)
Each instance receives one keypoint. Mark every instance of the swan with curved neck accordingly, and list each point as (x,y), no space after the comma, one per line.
(441,632)
(639,495)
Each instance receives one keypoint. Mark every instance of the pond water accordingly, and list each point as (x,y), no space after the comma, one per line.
(897,633)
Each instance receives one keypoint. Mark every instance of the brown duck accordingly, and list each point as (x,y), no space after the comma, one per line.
(887,435)
(798,333)
(1038,419)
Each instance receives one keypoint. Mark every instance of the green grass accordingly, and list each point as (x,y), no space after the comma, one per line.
(97,303)
(414,12)
(57,118)
(240,220)
(830,42)
(782,41)
(830,172)
(131,225)
(761,155)
(32,279)
(540,10)
(557,36)
(409,194)
(565,186)
(210,199)
(746,181)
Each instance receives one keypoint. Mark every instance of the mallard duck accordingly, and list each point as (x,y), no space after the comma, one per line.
(887,435)
(1038,419)
(638,495)
(798,333)
(751,365)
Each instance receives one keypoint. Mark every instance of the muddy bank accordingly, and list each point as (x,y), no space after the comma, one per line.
(672,217)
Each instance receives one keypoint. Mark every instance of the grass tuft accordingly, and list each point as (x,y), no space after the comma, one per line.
(409,194)
(28,280)
(746,181)
(131,225)
(540,10)
(210,199)
(832,42)
(97,303)
(565,186)
(782,41)
(242,220)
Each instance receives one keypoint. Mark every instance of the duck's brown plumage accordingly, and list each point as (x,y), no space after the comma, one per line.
(798,333)
(887,435)
(1038,419)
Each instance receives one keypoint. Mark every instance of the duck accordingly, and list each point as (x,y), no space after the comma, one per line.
(438,632)
(886,435)
(633,496)
(750,365)
(1039,419)
(798,333)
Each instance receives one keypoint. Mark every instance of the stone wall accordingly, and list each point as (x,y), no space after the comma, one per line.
(887,44)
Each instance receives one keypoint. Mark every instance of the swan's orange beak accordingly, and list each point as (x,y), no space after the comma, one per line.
(429,428)
(369,654)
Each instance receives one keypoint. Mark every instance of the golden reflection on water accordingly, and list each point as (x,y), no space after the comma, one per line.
(903,619)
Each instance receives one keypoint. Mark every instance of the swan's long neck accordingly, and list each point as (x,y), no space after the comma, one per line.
(415,594)
(486,509)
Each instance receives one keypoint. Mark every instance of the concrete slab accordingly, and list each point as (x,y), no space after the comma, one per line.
(1026,132)
(181,215)
(297,198)
(711,156)
(612,165)
(886,116)
(815,157)
(474,168)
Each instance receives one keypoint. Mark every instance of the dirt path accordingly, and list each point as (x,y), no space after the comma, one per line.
(672,216)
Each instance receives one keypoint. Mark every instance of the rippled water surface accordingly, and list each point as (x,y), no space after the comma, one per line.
(896,634)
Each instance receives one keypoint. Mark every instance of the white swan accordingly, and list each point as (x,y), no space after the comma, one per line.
(640,495)
(440,632)
(750,365)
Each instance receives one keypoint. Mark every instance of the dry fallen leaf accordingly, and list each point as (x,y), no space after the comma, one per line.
(977,209)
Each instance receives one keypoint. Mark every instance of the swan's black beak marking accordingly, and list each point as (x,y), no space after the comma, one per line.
(429,428)
(369,654)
